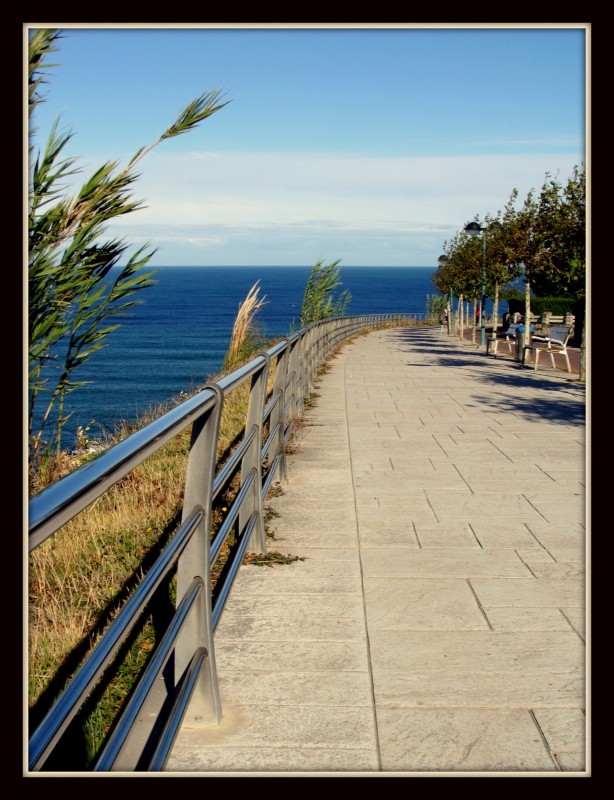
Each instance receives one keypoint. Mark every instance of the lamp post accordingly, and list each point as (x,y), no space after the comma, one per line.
(474,229)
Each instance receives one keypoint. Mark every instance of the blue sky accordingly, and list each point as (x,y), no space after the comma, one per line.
(373,145)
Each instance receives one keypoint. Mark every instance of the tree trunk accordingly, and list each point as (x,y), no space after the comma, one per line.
(582,375)
(527,313)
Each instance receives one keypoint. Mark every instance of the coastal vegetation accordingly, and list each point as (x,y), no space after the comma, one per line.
(319,300)
(435,307)
(73,300)
(245,338)
(542,244)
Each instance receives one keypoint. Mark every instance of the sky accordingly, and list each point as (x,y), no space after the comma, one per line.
(369,144)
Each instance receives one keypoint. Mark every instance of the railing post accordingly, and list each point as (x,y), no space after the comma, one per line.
(314,343)
(298,370)
(278,414)
(299,375)
(205,706)
(253,457)
(308,356)
(325,334)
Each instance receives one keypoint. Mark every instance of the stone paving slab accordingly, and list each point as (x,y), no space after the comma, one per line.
(386,518)
(294,688)
(470,651)
(526,487)
(456,563)
(382,486)
(451,505)
(446,534)
(388,534)
(576,617)
(529,592)
(295,606)
(292,726)
(422,604)
(312,550)
(255,625)
(506,534)
(482,690)
(461,740)
(507,618)
(401,472)
(233,761)
(296,655)
(437,624)
(566,454)
(281,582)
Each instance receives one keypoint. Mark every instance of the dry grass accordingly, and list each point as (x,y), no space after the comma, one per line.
(244,333)
(79,577)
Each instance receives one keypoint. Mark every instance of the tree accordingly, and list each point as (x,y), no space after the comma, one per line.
(459,273)
(319,301)
(73,297)
(545,240)
(561,226)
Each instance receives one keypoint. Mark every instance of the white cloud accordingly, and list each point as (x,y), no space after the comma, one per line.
(279,208)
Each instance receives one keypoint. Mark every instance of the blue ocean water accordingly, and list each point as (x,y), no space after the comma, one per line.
(177,337)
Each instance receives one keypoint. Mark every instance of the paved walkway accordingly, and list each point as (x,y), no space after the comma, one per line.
(437,622)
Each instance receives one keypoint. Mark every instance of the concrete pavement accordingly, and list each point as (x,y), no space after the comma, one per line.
(437,622)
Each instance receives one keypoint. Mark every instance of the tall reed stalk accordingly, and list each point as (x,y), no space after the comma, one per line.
(245,336)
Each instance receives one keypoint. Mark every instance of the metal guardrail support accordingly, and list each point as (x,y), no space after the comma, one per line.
(274,450)
(252,461)
(195,562)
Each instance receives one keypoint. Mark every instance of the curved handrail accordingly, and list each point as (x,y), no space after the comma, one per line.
(296,360)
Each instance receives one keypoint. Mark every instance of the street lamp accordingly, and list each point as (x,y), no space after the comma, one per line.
(474,229)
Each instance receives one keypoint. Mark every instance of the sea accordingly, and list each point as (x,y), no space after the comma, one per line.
(176,338)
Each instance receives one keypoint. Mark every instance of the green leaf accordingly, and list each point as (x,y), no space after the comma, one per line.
(73,296)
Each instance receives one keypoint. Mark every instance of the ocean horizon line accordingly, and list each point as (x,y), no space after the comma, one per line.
(284,266)
(178,332)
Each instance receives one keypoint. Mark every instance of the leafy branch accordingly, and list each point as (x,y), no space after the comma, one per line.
(319,301)
(73,300)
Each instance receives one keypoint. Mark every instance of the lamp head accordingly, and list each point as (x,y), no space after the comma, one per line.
(473,229)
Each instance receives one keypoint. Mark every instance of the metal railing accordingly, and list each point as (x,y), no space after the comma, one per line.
(179,685)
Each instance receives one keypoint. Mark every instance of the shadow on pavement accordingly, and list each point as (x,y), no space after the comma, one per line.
(563,399)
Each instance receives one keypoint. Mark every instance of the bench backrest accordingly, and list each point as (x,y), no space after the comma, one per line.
(561,332)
